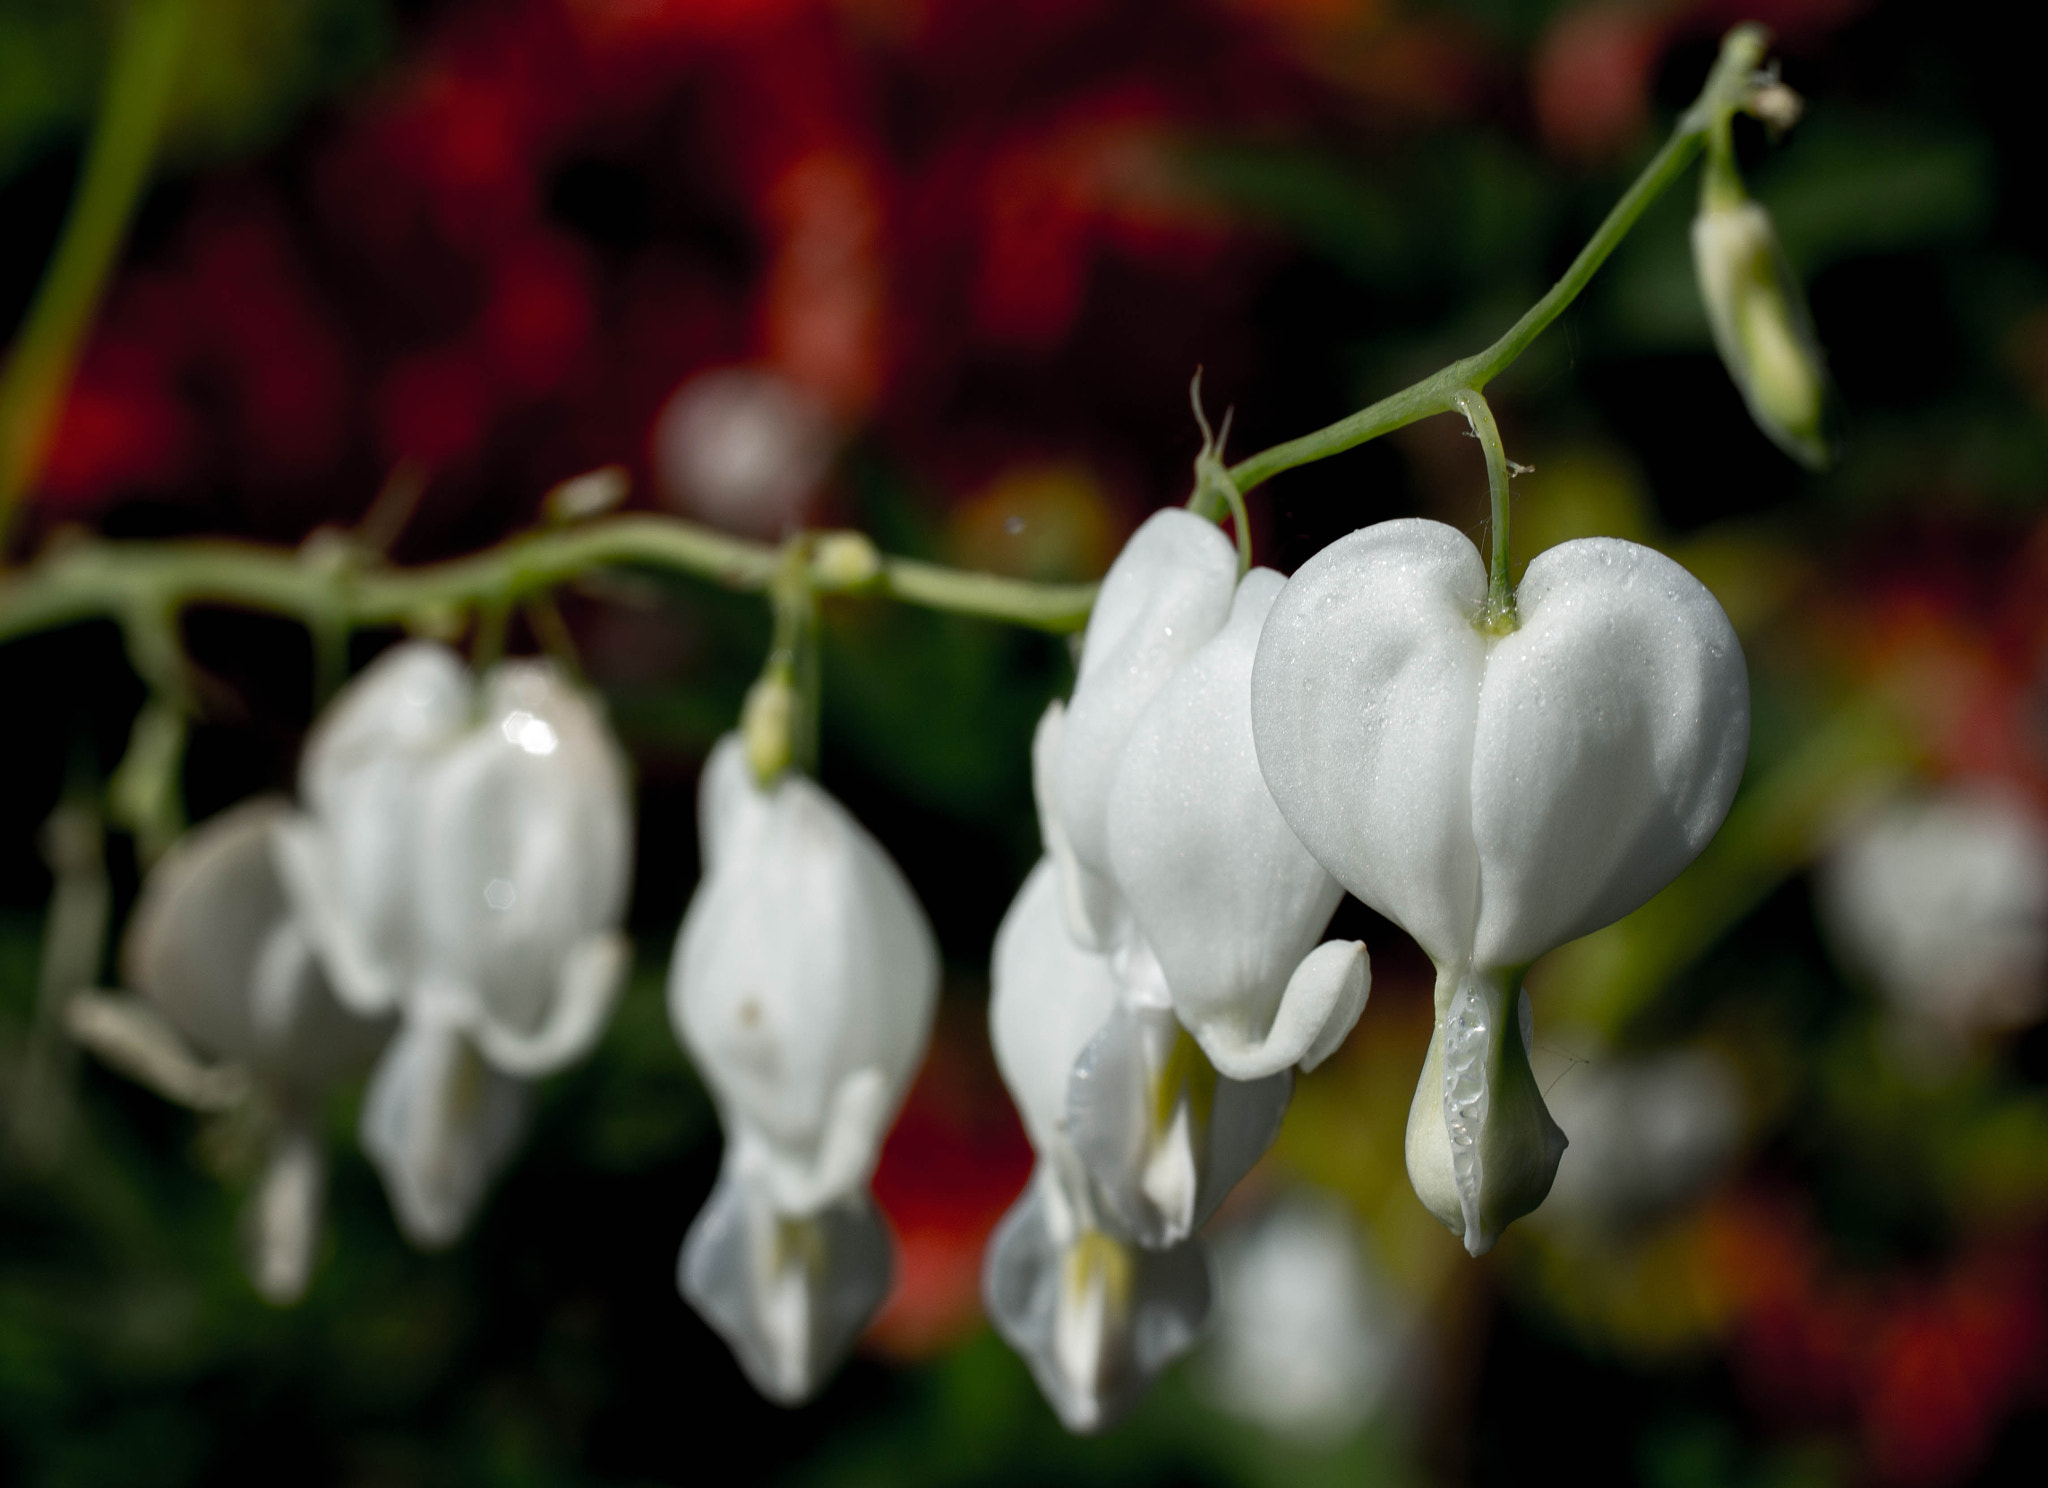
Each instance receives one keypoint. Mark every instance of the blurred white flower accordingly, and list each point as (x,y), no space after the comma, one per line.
(1495,794)
(744,449)
(1649,1133)
(1941,901)
(804,983)
(1309,1339)
(464,858)
(212,945)
(1095,1316)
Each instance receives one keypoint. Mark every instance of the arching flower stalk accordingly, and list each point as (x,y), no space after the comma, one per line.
(1496,792)
(804,983)
(1178,869)
(463,860)
(212,946)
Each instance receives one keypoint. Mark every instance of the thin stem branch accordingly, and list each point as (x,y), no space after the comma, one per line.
(1500,599)
(124,141)
(90,578)
(1741,52)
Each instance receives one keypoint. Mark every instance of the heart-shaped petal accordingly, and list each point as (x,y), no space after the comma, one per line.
(1168,592)
(1048,998)
(1498,796)
(1095,1318)
(789,1296)
(803,957)
(1218,883)
(351,863)
(525,846)
(1613,725)
(1364,698)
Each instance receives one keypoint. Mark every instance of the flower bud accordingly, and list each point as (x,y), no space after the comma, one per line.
(768,725)
(844,560)
(1761,326)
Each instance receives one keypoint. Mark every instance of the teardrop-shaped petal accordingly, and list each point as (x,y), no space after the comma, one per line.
(438,1123)
(803,958)
(281,1222)
(205,911)
(1163,1136)
(799,1184)
(1096,1319)
(1322,1003)
(1482,1148)
(788,1295)
(525,848)
(1168,591)
(591,976)
(1219,885)
(1612,730)
(1365,694)
(350,862)
(1048,998)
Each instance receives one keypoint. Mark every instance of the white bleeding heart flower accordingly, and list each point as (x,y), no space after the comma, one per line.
(465,858)
(1941,901)
(350,859)
(213,946)
(1177,866)
(1496,794)
(1095,1316)
(804,984)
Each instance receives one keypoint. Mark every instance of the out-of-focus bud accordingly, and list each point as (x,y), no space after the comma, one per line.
(768,725)
(591,494)
(213,946)
(1761,325)
(743,449)
(844,560)
(804,982)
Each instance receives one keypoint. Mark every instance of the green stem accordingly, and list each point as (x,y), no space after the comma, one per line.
(1500,599)
(91,578)
(124,141)
(1729,83)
